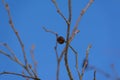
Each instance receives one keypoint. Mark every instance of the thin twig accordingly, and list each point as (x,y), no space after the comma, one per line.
(85,63)
(25,74)
(100,71)
(58,70)
(50,31)
(94,75)
(58,10)
(68,37)
(56,49)
(58,63)
(9,49)
(33,71)
(67,41)
(76,58)
(14,58)
(9,56)
(75,30)
(78,20)
(56,52)
(66,53)
(34,61)
(15,31)
(22,75)
(19,39)
(70,11)
(86,59)
(56,34)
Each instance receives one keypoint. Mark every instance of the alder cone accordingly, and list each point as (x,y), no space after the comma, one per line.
(60,40)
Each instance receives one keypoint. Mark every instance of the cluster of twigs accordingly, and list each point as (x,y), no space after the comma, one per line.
(68,40)
(30,72)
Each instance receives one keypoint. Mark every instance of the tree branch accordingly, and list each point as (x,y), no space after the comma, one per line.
(58,10)
(22,75)
(94,75)
(76,59)
(78,20)
(15,31)
(70,11)
(86,59)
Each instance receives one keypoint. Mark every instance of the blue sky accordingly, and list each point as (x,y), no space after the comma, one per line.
(99,27)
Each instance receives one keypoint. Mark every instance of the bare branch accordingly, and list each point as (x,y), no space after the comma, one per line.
(50,31)
(56,50)
(56,34)
(14,58)
(79,18)
(9,56)
(9,49)
(25,74)
(68,37)
(94,75)
(85,63)
(22,75)
(26,67)
(15,31)
(76,58)
(67,41)
(58,61)
(33,71)
(70,11)
(58,10)
(58,58)
(75,30)
(66,53)
(100,71)
(34,61)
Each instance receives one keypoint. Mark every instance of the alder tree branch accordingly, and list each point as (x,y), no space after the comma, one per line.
(94,75)
(22,75)
(70,11)
(15,31)
(79,19)
(12,56)
(74,32)
(86,60)
(59,11)
(58,62)
(9,49)
(9,56)
(33,60)
(67,41)
(32,72)
(76,59)
(107,75)
(26,66)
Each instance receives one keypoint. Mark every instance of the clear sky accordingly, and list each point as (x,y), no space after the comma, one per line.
(99,26)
